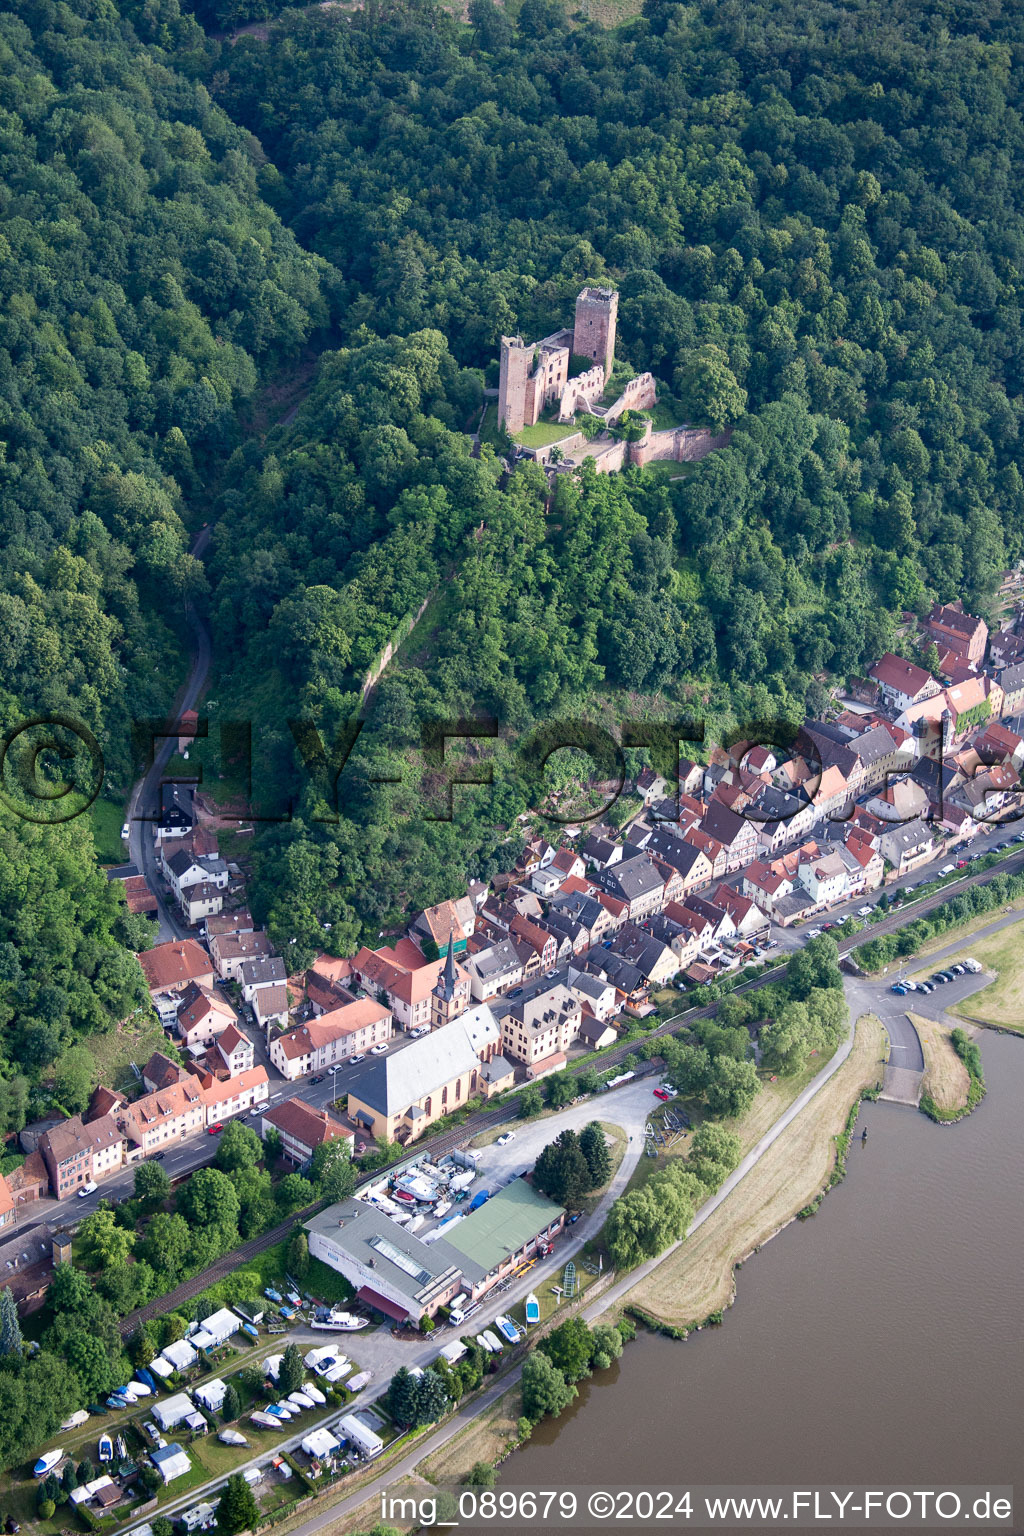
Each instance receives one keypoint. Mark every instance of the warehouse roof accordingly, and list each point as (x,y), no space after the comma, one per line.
(508,1221)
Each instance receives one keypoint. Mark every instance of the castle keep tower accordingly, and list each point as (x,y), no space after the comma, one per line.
(594,332)
(513,372)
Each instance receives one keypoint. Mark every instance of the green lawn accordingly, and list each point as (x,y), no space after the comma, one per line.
(543,433)
(107,820)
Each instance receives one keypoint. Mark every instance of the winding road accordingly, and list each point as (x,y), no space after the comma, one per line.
(144,804)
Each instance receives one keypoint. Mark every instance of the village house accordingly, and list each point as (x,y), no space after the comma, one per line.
(326,982)
(408,993)
(168,968)
(737,835)
(765,885)
(202,1016)
(169,1114)
(1011,681)
(958,635)
(824,878)
(230,951)
(492,970)
(302,1129)
(449,920)
(236,1051)
(76,1153)
(902,683)
(321,1043)
(267,971)
(596,997)
(271,1006)
(634,881)
(656,961)
(907,847)
(539,1029)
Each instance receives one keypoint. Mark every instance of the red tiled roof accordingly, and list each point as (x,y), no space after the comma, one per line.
(170,965)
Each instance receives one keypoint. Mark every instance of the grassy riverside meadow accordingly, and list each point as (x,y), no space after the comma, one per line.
(947,1083)
(697,1280)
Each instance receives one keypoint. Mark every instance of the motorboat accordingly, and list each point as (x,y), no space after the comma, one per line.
(118,1403)
(139,1389)
(252,1331)
(315,1394)
(360,1381)
(485,1343)
(493,1341)
(508,1330)
(282,1410)
(76,1420)
(300,1399)
(121,1446)
(330,1318)
(272,1295)
(47,1462)
(532,1309)
(105,1451)
(265,1420)
(146,1377)
(231,1437)
(295,1298)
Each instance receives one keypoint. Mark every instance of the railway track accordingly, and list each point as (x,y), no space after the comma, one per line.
(484,1119)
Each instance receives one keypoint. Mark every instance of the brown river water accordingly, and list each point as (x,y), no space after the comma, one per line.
(879,1343)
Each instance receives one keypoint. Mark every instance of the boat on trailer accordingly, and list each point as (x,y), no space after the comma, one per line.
(47,1462)
(329,1319)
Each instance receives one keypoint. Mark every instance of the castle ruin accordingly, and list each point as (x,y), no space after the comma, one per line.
(534,375)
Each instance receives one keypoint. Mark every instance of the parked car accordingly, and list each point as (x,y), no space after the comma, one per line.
(419,1032)
(378,1050)
(158,1157)
(814,933)
(659,1093)
(125,832)
(318,1077)
(505,1138)
(354,1061)
(865,911)
(214,1130)
(940,978)
(88,1188)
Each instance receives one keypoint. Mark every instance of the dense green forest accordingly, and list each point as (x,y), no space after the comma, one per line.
(143,287)
(812,217)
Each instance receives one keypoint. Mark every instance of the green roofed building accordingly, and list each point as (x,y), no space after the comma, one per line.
(402,1276)
(499,1235)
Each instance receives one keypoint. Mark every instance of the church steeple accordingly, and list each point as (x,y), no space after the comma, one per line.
(444,1004)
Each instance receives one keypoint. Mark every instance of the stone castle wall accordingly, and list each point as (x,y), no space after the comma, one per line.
(640,394)
(580,393)
(683,444)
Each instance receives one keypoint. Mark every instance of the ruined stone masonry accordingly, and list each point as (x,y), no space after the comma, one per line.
(532,375)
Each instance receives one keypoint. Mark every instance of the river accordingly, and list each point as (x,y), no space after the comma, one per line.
(878,1343)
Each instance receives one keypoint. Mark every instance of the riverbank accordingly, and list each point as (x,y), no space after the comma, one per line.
(697,1279)
(947,1082)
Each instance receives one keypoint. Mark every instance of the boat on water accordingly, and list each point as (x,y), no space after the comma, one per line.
(329,1318)
(272,1295)
(47,1462)
(532,1309)
(508,1330)
(300,1400)
(105,1451)
(231,1437)
(76,1420)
